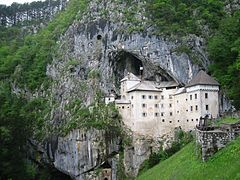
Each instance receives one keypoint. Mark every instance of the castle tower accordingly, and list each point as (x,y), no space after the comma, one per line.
(127,83)
(202,94)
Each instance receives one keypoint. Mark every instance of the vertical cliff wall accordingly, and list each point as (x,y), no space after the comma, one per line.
(97,51)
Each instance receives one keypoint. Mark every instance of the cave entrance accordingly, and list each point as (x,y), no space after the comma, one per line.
(124,62)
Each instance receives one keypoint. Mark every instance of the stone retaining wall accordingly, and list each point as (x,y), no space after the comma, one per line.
(211,141)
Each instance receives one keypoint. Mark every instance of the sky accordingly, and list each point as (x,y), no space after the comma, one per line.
(9,2)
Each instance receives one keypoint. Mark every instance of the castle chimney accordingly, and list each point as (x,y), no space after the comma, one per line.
(141,72)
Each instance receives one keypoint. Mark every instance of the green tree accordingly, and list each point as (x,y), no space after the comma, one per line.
(14,131)
(224,50)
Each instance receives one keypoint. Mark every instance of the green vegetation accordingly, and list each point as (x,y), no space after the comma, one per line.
(24,63)
(94,74)
(98,116)
(208,19)
(227,120)
(184,165)
(181,17)
(224,50)
(37,50)
(120,168)
(181,140)
(174,17)
(15,128)
(72,63)
(13,15)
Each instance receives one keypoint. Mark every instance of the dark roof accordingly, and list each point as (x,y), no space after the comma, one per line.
(144,86)
(202,78)
(165,84)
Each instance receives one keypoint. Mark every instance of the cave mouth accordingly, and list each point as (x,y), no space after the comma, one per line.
(52,173)
(124,62)
(99,37)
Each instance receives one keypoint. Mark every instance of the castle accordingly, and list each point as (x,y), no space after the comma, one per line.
(156,109)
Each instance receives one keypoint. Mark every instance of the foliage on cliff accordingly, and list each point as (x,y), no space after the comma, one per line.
(184,165)
(37,50)
(99,116)
(23,63)
(181,17)
(14,130)
(209,19)
(224,50)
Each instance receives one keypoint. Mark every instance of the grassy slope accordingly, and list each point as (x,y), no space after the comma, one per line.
(184,165)
(227,120)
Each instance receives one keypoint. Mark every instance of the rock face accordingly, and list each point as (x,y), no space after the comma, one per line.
(79,153)
(95,53)
(82,154)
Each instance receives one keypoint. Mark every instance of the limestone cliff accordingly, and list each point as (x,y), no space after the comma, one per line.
(94,54)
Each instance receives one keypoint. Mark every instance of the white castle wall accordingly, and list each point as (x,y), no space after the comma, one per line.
(156,113)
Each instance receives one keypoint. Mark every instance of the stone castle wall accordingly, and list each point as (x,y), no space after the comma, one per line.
(213,140)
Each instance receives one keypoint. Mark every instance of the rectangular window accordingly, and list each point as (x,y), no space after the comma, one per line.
(207,108)
(195,96)
(156,114)
(144,114)
(131,97)
(143,96)
(190,97)
(155,97)
(156,105)
(150,97)
(144,105)
(170,113)
(162,97)
(170,105)
(162,114)
(191,108)
(206,95)
(196,107)
(170,96)
(161,105)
